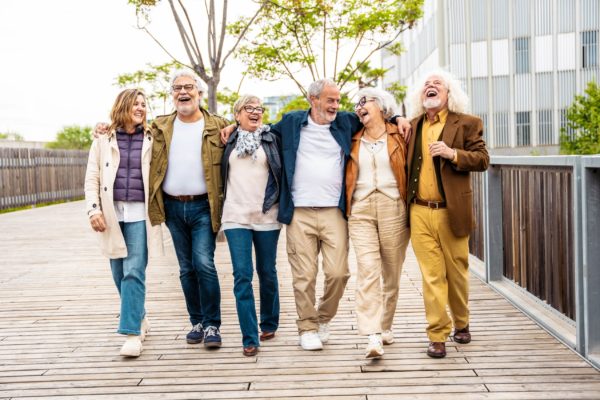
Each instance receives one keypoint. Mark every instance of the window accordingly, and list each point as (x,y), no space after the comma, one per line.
(522,55)
(589,44)
(501,125)
(523,129)
(545,131)
(564,127)
(484,120)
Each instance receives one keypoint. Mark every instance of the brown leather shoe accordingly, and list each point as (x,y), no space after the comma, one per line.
(436,350)
(267,335)
(250,351)
(462,336)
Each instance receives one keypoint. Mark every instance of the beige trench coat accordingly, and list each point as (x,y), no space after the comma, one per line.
(100,175)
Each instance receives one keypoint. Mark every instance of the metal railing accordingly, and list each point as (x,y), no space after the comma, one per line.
(540,220)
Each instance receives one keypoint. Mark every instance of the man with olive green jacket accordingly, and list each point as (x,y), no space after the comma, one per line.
(186,192)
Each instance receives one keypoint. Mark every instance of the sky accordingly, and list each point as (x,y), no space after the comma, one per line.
(59,60)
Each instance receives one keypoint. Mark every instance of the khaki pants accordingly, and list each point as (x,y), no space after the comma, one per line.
(379,234)
(444,262)
(313,230)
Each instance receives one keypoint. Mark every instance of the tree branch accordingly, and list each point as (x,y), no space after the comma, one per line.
(184,37)
(242,34)
(164,49)
(223,29)
(196,47)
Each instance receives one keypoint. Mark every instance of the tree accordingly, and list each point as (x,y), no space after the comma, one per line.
(326,38)
(12,136)
(207,61)
(72,137)
(583,116)
(298,103)
(154,81)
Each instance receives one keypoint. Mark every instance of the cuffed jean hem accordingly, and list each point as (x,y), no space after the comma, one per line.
(128,332)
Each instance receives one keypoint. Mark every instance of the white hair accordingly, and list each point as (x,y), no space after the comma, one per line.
(315,88)
(458,101)
(385,101)
(189,74)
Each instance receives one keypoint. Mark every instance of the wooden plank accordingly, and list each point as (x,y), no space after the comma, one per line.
(58,320)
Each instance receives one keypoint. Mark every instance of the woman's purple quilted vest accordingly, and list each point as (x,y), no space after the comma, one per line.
(129,185)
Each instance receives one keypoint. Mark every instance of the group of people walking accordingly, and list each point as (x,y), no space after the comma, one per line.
(326,174)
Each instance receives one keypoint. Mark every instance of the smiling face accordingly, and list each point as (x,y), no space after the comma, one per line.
(325,107)
(138,111)
(250,116)
(435,94)
(186,97)
(368,111)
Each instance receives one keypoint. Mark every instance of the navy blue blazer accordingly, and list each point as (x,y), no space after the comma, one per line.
(342,128)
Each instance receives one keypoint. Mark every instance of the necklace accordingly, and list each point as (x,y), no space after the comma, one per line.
(375,138)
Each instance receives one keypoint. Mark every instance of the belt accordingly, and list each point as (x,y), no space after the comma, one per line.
(187,197)
(431,204)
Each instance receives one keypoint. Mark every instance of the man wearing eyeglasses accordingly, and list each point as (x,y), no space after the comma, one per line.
(186,192)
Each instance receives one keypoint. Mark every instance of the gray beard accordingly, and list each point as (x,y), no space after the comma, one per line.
(431,103)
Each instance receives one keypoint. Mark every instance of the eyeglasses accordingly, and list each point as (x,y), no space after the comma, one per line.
(251,109)
(177,88)
(361,103)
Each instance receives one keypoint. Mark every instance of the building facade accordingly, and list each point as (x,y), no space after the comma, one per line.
(521,61)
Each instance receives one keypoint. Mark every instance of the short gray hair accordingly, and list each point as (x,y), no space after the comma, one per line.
(244,100)
(315,88)
(458,100)
(189,74)
(385,101)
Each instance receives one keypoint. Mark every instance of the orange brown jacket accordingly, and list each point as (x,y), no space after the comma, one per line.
(397,152)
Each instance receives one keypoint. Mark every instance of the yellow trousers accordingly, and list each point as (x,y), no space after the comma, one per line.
(444,262)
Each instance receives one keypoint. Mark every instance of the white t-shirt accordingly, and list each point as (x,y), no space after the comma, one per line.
(319,168)
(185,172)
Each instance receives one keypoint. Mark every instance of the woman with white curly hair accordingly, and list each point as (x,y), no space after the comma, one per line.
(376,209)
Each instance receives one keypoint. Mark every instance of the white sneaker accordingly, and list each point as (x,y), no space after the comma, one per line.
(324,332)
(310,341)
(387,337)
(144,329)
(132,346)
(375,347)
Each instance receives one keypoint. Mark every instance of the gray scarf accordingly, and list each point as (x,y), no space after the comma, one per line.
(248,142)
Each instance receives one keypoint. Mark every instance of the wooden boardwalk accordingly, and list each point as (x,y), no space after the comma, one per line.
(59,311)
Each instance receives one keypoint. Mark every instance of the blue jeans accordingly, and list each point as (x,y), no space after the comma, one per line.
(194,240)
(129,274)
(265,248)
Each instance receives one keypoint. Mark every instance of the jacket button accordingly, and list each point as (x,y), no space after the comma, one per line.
(149,138)
(413,192)
(105,188)
(419,157)
(107,164)
(415,181)
(94,205)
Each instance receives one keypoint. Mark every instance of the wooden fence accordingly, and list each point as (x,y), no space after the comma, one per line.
(34,176)
(538,232)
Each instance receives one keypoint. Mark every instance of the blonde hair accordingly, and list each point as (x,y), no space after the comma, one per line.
(458,101)
(120,115)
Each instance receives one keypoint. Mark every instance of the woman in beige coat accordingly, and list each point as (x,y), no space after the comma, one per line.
(116,195)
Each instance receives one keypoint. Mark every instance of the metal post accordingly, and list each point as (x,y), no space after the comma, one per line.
(494,257)
(590,213)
